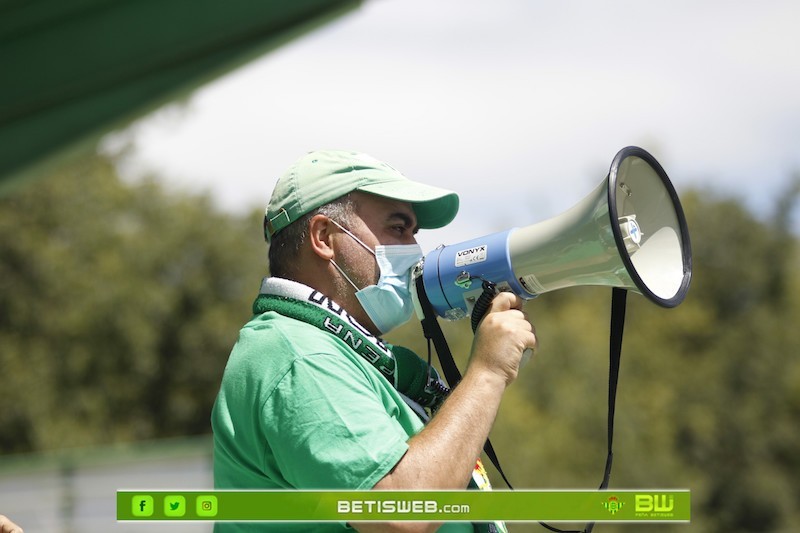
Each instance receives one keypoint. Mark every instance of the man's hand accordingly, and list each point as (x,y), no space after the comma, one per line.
(7,526)
(502,336)
(442,455)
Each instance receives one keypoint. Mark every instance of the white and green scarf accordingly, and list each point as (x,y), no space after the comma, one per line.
(417,381)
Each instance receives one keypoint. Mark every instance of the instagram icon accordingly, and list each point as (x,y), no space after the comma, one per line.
(206,505)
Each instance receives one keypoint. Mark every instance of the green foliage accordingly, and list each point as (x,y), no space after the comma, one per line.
(118,306)
(119,303)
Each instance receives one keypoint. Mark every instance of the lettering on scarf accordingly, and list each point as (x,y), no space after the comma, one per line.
(321,300)
(354,336)
(347,337)
(313,307)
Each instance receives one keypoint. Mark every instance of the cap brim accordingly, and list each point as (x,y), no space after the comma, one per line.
(434,207)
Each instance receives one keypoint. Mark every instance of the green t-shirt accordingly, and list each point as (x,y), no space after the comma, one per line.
(298,409)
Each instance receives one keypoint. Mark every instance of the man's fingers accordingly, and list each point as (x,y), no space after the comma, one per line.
(504,301)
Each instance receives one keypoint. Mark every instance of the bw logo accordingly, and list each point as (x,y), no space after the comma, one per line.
(659,503)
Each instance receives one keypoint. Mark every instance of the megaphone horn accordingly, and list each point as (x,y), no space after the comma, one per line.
(629,233)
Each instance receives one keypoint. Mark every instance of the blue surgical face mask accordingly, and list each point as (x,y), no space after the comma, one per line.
(387,303)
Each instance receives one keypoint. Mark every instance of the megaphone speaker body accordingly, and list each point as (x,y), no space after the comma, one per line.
(630,233)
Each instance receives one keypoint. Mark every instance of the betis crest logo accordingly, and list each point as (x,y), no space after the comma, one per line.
(613,505)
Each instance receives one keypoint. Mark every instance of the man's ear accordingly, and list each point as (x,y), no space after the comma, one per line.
(319,235)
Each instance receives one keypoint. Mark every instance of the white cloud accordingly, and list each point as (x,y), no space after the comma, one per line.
(517,105)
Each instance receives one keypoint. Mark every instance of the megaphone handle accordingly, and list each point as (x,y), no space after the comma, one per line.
(483,303)
(433,332)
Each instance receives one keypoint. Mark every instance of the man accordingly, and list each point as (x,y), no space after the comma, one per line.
(312,398)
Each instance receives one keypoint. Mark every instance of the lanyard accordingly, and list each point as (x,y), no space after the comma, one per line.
(433,332)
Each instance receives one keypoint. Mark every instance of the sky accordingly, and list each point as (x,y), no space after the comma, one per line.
(517,105)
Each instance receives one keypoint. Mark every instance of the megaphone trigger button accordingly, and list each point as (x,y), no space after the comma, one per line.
(464,280)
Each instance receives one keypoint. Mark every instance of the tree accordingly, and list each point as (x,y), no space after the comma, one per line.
(119,303)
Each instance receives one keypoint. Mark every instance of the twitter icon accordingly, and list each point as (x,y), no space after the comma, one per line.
(174,505)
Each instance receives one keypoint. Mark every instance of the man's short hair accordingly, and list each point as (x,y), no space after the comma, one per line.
(284,249)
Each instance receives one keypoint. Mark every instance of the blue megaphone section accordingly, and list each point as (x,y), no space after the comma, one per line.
(453,274)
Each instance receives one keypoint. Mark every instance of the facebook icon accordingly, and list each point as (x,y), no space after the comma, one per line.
(142,505)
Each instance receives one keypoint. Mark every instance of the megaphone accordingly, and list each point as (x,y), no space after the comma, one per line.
(629,233)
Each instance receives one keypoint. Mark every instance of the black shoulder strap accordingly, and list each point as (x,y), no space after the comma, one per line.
(618,305)
(433,332)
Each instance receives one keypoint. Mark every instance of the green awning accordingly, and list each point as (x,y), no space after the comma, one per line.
(71,70)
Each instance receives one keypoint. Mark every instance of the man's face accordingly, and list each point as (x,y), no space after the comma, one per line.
(384,221)
(378,221)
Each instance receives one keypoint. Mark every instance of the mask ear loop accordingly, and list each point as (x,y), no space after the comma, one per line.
(359,241)
(345,275)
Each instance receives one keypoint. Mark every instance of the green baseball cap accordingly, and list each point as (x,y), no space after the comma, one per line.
(320,177)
